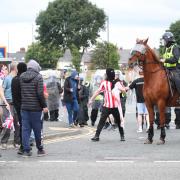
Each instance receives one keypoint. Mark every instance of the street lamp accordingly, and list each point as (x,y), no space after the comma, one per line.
(108,36)
(108,29)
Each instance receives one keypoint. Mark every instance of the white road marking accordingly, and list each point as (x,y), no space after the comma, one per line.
(57,161)
(62,129)
(166,161)
(124,158)
(9,161)
(113,161)
(103,161)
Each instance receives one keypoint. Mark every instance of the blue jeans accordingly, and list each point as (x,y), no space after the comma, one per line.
(31,121)
(72,109)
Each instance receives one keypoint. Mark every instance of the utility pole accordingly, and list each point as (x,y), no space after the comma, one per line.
(108,29)
(108,36)
(32,34)
(8,46)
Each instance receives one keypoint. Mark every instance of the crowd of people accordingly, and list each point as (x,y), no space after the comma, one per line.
(27,100)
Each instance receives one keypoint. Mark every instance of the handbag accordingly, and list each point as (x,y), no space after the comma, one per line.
(9,122)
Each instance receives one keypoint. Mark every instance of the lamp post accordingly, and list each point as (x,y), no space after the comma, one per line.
(108,29)
(8,46)
(32,34)
(108,36)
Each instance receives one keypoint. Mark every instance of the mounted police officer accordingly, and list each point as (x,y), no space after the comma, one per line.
(171,57)
(172,62)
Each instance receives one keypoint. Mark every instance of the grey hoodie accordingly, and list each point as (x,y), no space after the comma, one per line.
(34,65)
(32,96)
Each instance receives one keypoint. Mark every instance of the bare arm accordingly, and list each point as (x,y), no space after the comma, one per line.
(3,97)
(93,97)
(100,89)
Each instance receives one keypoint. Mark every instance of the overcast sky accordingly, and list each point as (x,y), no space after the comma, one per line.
(128,19)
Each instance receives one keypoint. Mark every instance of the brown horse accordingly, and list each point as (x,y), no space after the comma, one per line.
(156,88)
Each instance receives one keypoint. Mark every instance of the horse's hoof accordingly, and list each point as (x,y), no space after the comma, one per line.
(148,141)
(161,142)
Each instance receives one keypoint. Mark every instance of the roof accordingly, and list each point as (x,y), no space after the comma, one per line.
(18,56)
(86,58)
(67,57)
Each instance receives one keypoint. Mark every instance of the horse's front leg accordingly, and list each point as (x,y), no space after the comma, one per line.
(151,128)
(162,123)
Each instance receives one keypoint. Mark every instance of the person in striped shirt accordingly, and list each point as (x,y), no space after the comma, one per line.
(110,105)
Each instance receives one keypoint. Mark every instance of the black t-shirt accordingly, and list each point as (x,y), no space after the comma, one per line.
(138,85)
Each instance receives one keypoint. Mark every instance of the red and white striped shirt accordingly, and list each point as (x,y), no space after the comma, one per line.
(109,99)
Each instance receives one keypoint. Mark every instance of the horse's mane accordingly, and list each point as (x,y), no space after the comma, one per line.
(154,54)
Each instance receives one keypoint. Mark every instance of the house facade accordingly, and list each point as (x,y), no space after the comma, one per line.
(65,62)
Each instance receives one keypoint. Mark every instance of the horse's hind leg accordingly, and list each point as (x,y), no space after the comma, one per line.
(151,128)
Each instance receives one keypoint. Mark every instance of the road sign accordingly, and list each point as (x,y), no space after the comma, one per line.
(2,52)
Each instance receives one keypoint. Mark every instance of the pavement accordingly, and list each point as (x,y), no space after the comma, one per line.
(58,129)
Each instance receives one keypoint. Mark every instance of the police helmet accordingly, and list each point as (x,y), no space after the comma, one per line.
(168,37)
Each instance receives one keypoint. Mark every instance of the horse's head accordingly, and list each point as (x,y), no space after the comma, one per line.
(138,53)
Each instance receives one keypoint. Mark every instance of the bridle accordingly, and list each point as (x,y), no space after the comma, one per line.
(141,58)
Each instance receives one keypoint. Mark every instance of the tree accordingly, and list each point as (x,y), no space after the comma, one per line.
(47,56)
(67,22)
(76,57)
(175,29)
(105,56)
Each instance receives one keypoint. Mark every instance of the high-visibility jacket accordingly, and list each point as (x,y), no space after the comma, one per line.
(168,54)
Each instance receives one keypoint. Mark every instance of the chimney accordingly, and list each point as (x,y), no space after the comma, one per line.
(22,50)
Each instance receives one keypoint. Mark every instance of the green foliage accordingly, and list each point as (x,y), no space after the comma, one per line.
(67,22)
(105,55)
(175,29)
(47,56)
(76,57)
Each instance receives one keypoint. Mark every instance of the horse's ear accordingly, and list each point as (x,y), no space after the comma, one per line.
(145,41)
(137,40)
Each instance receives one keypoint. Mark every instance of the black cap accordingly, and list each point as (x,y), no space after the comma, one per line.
(110,74)
(21,67)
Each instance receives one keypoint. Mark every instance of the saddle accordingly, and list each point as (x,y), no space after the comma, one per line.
(174,81)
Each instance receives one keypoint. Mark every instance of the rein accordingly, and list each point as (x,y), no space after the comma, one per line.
(143,62)
(141,67)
